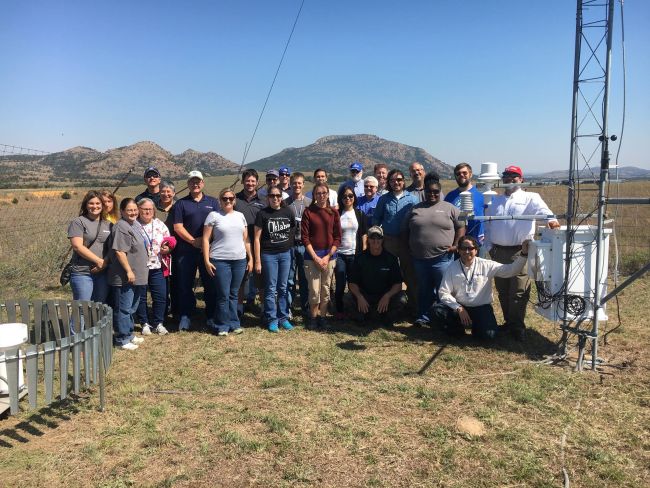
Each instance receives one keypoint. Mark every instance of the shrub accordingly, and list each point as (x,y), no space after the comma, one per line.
(14,201)
(66,195)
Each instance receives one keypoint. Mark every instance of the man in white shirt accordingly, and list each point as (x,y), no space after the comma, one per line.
(503,240)
(466,290)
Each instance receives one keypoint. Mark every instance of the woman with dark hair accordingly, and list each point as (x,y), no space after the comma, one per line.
(154,233)
(275,226)
(391,210)
(353,242)
(226,259)
(432,229)
(127,274)
(89,236)
(321,234)
(111,210)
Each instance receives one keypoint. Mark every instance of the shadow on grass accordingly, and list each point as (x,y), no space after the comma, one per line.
(36,424)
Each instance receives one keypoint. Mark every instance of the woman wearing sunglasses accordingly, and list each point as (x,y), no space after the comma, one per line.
(353,242)
(226,260)
(275,227)
(432,229)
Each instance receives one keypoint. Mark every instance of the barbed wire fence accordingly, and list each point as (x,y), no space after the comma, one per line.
(34,222)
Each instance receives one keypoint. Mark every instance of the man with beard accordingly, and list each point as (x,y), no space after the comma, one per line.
(463,175)
(356,179)
(503,240)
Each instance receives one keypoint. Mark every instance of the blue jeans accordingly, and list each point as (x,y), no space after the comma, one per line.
(89,286)
(275,272)
(125,303)
(186,265)
(298,271)
(158,289)
(228,277)
(429,273)
(343,267)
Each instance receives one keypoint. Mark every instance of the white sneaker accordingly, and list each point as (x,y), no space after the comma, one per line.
(238,330)
(129,346)
(184,323)
(161,330)
(137,340)
(222,333)
(146,329)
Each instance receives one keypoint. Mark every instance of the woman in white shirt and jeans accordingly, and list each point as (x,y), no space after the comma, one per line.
(226,259)
(353,242)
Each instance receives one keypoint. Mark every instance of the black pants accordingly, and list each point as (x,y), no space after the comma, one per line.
(484,323)
(373,318)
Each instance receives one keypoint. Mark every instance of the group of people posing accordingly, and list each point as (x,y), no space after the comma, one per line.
(375,237)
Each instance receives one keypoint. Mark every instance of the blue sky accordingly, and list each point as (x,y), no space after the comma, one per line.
(467,81)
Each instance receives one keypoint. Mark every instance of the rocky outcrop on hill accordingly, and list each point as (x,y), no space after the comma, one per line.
(336,153)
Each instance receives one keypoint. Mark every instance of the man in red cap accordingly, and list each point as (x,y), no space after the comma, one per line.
(503,239)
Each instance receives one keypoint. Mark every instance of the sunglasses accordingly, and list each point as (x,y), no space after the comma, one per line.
(275,195)
(394,180)
(432,192)
(227,199)
(348,196)
(466,248)
(152,176)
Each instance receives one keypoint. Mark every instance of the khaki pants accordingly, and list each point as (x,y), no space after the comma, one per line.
(395,246)
(319,281)
(513,292)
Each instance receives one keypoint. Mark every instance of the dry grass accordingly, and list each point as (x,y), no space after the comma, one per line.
(348,409)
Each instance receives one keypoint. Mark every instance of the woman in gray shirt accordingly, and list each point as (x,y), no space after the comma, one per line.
(89,236)
(127,274)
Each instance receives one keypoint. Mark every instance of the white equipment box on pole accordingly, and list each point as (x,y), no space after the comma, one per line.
(546,263)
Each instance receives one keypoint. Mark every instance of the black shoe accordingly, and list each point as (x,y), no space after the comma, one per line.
(322,323)
(311,324)
(518,334)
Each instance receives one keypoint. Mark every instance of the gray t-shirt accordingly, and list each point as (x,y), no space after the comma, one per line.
(87,229)
(127,238)
(431,228)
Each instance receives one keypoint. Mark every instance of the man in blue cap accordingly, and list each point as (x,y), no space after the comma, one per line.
(356,179)
(284,179)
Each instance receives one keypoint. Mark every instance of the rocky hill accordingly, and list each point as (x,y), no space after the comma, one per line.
(624,173)
(85,165)
(335,153)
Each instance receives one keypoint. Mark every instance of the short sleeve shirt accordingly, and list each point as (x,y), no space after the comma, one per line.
(278,229)
(227,235)
(192,215)
(127,238)
(87,229)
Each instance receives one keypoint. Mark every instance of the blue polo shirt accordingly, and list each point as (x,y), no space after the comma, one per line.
(390,211)
(474,227)
(367,207)
(192,215)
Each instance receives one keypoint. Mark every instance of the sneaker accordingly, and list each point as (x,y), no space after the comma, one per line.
(222,333)
(321,323)
(161,330)
(184,323)
(286,325)
(238,330)
(273,328)
(129,346)
(146,329)
(421,322)
(137,340)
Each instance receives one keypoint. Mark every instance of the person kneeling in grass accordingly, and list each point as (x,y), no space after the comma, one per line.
(466,291)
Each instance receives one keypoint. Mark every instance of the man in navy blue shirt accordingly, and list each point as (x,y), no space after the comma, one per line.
(190,213)
(463,175)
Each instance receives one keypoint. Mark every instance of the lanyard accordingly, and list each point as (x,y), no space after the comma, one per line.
(468,282)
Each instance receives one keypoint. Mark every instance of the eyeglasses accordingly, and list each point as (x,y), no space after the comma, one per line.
(152,176)
(348,197)
(227,199)
(395,180)
(320,193)
(369,186)
(432,192)
(275,195)
(146,210)
(466,248)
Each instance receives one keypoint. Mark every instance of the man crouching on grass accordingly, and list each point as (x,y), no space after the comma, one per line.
(466,291)
(376,282)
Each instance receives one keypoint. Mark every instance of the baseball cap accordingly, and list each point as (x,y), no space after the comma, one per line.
(375,230)
(195,174)
(151,169)
(513,170)
(356,166)
(284,170)
(273,172)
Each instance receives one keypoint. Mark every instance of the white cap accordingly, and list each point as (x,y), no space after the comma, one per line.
(195,174)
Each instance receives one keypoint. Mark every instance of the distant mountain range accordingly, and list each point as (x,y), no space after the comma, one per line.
(624,173)
(86,165)
(336,153)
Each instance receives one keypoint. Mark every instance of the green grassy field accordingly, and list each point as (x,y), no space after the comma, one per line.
(345,408)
